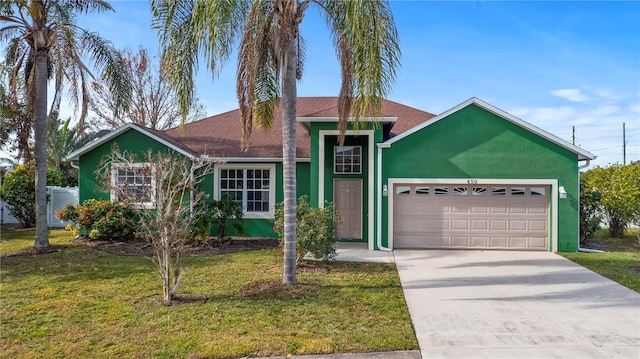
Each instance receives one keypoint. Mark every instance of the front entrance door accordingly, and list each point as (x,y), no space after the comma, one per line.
(348,201)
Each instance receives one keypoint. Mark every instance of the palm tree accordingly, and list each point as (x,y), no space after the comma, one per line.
(44,43)
(270,59)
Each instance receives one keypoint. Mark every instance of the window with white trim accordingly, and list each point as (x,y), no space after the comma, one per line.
(133,182)
(252,186)
(347,159)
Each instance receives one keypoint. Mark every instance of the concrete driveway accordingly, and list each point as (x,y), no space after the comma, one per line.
(499,304)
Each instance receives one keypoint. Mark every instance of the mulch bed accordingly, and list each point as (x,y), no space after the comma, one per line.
(213,247)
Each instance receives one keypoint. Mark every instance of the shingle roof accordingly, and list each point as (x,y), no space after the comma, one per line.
(220,135)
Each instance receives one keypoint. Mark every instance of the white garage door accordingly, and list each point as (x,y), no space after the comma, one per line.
(474,216)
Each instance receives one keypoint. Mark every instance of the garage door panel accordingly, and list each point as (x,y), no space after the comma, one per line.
(517,225)
(498,242)
(480,224)
(538,242)
(517,242)
(538,208)
(500,217)
(538,226)
(517,208)
(498,225)
(479,241)
(499,208)
(480,209)
(459,224)
(460,208)
(460,241)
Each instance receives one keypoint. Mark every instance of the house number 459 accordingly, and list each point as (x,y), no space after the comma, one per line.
(472,181)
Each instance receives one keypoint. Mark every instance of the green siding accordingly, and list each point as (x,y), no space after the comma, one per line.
(135,142)
(330,142)
(475,143)
(130,141)
(329,176)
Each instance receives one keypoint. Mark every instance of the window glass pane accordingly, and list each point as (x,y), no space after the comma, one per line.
(498,191)
(248,186)
(479,191)
(134,184)
(422,190)
(517,191)
(538,191)
(441,191)
(347,159)
(403,190)
(460,191)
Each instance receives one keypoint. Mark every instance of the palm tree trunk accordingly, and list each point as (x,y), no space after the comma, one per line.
(289,97)
(40,131)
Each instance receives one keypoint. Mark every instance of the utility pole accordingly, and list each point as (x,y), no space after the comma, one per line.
(573,135)
(624,145)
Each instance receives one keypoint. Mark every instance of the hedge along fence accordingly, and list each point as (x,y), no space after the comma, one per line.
(58,198)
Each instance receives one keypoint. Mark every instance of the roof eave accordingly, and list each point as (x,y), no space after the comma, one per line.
(75,155)
(582,154)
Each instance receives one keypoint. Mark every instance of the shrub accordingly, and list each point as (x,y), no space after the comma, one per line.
(19,192)
(316,229)
(619,190)
(99,219)
(589,212)
(221,214)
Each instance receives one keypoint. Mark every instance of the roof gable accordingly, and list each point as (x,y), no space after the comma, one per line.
(582,154)
(156,135)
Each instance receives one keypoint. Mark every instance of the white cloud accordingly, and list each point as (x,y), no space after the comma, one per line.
(573,95)
(597,122)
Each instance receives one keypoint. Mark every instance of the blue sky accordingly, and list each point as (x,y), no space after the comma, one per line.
(553,64)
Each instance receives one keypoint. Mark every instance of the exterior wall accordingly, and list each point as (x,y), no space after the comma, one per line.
(131,141)
(476,144)
(135,142)
(264,227)
(323,172)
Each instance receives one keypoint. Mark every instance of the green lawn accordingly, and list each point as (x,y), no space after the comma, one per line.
(620,262)
(81,302)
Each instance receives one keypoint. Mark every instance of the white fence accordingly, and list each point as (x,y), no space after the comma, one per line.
(58,198)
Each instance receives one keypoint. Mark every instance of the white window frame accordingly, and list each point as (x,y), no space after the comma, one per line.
(250,166)
(132,167)
(335,164)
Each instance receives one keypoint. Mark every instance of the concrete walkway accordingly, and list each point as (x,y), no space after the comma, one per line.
(499,304)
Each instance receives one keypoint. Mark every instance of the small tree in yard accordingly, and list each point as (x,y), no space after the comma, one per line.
(619,190)
(167,226)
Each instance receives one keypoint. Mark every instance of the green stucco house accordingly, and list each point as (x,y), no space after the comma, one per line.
(473,177)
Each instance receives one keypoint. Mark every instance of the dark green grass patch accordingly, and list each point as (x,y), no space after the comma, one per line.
(81,302)
(620,262)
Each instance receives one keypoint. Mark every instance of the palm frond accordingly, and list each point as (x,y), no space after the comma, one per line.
(366,42)
(113,66)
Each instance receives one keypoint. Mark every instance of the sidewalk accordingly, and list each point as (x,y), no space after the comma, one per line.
(405,354)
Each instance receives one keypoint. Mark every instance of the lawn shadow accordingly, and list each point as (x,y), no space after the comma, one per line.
(153,302)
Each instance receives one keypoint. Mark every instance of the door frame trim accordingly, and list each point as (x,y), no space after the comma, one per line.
(553,232)
(370,174)
(359,180)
